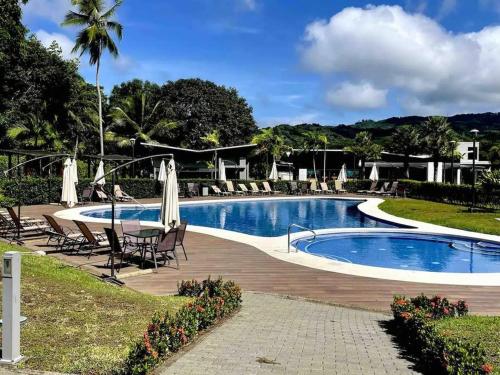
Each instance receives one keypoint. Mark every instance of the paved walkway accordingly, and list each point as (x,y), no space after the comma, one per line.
(294,337)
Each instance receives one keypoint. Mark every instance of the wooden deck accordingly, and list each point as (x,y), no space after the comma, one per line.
(256,271)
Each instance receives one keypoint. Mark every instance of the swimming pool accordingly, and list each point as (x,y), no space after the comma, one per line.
(260,217)
(407,251)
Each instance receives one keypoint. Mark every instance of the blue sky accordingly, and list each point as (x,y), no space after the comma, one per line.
(308,60)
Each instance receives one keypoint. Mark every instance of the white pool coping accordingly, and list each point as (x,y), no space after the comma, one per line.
(277,246)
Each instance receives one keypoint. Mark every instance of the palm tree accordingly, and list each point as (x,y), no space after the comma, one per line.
(213,138)
(313,140)
(364,149)
(436,134)
(135,117)
(494,153)
(324,139)
(406,141)
(35,132)
(270,143)
(95,38)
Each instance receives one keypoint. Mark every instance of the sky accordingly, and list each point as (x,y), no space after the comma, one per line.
(324,61)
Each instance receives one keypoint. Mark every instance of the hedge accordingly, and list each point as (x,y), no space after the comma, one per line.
(166,334)
(436,353)
(454,194)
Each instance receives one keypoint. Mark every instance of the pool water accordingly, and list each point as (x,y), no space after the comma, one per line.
(266,218)
(407,251)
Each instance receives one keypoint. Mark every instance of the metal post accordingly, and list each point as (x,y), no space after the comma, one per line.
(49,184)
(474,173)
(113,225)
(11,308)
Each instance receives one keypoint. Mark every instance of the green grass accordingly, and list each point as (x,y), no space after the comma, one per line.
(77,323)
(443,214)
(476,329)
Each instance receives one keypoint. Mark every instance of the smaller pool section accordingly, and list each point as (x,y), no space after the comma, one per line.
(407,251)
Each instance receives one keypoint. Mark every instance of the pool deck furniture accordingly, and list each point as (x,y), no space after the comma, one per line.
(193,189)
(256,190)
(313,188)
(372,188)
(218,191)
(245,190)
(231,189)
(118,250)
(166,247)
(325,189)
(180,237)
(383,189)
(64,238)
(87,194)
(100,194)
(130,226)
(146,239)
(93,240)
(393,191)
(121,196)
(267,187)
(339,188)
(26,227)
(294,188)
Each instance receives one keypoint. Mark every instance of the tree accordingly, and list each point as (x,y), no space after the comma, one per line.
(406,141)
(200,107)
(213,139)
(270,143)
(494,153)
(95,38)
(312,142)
(136,116)
(437,134)
(364,149)
(324,139)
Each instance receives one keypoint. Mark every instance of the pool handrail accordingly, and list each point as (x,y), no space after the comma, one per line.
(301,227)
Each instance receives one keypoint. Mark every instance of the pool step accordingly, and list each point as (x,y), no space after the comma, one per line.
(476,247)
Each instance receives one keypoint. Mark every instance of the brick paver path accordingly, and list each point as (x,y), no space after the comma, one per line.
(299,337)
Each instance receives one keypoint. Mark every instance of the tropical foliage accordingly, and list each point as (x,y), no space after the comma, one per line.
(406,141)
(270,143)
(364,149)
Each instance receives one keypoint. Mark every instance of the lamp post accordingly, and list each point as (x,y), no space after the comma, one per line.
(132,143)
(453,148)
(474,136)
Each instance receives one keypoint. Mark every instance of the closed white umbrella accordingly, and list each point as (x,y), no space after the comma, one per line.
(100,172)
(162,174)
(274,172)
(343,174)
(170,216)
(74,165)
(69,197)
(222,171)
(374,173)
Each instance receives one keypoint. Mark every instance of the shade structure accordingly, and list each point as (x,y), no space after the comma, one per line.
(69,198)
(170,216)
(274,172)
(374,173)
(162,174)
(222,171)
(74,165)
(343,174)
(100,172)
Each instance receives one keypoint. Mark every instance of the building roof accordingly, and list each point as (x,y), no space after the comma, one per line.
(159,145)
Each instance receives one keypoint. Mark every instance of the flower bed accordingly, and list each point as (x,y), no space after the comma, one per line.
(214,300)
(437,353)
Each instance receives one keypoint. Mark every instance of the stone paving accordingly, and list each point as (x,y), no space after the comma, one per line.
(276,335)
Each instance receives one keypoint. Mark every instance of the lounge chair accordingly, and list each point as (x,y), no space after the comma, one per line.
(218,191)
(245,190)
(87,194)
(294,188)
(93,240)
(180,236)
(101,194)
(313,188)
(256,190)
(393,191)
(193,189)
(26,226)
(267,187)
(230,188)
(165,247)
(383,189)
(118,250)
(121,195)
(65,238)
(325,189)
(372,189)
(339,188)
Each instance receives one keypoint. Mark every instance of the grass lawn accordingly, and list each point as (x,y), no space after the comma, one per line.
(443,214)
(77,323)
(476,329)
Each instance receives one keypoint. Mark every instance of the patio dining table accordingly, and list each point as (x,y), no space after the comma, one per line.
(144,235)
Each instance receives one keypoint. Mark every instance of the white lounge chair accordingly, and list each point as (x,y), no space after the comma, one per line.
(325,189)
(218,191)
(267,187)
(256,190)
(339,188)
(230,188)
(314,188)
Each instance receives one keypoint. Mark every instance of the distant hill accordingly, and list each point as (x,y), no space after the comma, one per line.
(488,125)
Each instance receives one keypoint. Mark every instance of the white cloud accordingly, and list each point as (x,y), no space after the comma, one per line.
(303,118)
(54,10)
(428,66)
(356,96)
(62,40)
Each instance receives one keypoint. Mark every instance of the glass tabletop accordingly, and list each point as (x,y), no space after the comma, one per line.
(144,233)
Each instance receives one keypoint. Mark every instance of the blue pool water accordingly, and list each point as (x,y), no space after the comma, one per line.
(266,218)
(407,251)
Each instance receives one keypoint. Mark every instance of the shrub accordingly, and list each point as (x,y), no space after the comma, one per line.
(437,353)
(215,300)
